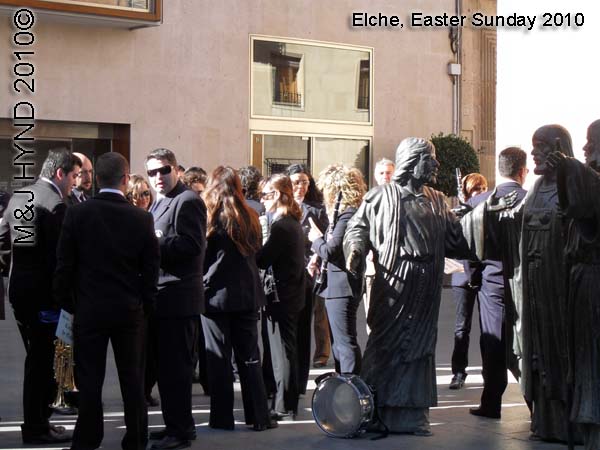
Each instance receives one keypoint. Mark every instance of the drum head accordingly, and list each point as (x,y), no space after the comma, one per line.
(337,407)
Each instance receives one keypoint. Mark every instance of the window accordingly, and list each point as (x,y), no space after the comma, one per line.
(364,86)
(138,11)
(285,79)
(301,80)
(273,153)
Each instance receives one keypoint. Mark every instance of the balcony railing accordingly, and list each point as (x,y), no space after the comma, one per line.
(291,98)
(141,12)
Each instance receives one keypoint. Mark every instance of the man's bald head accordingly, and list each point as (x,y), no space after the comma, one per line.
(83,182)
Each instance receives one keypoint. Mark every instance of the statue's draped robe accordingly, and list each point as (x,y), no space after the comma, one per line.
(579,193)
(533,236)
(411,235)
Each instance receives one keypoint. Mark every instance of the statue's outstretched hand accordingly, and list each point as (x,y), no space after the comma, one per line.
(462,209)
(353,261)
(506,202)
(555,160)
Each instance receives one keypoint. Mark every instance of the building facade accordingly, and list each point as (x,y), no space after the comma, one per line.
(266,82)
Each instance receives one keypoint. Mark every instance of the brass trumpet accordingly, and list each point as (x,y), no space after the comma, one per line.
(63,373)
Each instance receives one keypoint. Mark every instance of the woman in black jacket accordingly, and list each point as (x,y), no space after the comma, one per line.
(343,189)
(283,253)
(233,296)
(310,200)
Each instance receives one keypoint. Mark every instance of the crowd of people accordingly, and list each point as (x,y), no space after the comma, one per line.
(200,270)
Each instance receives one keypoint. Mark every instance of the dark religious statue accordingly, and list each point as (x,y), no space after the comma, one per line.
(578,187)
(411,228)
(538,282)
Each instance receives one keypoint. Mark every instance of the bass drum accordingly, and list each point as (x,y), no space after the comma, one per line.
(342,405)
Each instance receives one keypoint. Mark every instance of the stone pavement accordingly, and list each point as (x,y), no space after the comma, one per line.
(453,426)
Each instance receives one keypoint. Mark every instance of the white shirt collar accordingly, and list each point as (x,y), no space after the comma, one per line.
(112,191)
(502,180)
(48,180)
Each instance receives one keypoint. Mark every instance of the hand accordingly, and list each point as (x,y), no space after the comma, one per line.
(313,265)
(507,202)
(314,232)
(555,160)
(353,262)
(462,209)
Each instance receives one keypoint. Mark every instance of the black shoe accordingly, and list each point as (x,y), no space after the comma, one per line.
(151,401)
(49,437)
(58,428)
(65,410)
(289,416)
(170,443)
(221,426)
(458,381)
(480,412)
(262,427)
(161,434)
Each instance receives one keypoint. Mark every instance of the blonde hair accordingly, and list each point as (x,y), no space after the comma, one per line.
(137,184)
(349,181)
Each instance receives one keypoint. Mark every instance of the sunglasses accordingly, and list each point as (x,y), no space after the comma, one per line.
(144,194)
(164,170)
(267,194)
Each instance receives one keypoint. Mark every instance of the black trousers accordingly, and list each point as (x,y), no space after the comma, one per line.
(175,357)
(493,345)
(39,387)
(222,333)
(341,313)
(200,358)
(303,337)
(126,333)
(151,367)
(464,298)
(281,328)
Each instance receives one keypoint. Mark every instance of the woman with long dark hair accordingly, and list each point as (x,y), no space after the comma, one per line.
(283,255)
(233,296)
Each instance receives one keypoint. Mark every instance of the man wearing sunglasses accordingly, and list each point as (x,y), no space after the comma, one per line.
(180,225)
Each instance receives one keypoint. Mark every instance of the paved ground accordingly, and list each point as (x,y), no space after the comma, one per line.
(453,427)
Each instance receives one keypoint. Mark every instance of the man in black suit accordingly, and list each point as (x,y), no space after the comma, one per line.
(109,295)
(512,167)
(180,225)
(33,250)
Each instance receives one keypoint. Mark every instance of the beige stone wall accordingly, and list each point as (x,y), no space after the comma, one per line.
(185,84)
(478,88)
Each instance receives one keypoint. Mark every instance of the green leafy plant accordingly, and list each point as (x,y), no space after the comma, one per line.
(453,151)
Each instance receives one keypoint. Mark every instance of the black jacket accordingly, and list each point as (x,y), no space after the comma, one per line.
(231,281)
(107,259)
(317,213)
(339,282)
(33,264)
(180,225)
(284,251)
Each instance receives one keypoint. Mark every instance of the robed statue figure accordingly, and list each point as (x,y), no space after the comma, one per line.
(410,228)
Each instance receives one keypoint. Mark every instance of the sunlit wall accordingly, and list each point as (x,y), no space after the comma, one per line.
(547,75)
